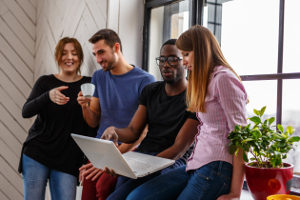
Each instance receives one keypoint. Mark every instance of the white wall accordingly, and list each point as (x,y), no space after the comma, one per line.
(131,23)
(156,30)
(29,32)
(72,18)
(81,20)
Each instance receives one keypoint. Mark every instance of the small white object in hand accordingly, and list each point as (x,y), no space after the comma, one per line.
(87,89)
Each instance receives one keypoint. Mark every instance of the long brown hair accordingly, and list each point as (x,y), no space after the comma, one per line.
(60,48)
(207,55)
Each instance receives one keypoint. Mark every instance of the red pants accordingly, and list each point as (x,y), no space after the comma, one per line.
(99,189)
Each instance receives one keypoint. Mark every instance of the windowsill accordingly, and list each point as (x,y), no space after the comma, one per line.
(296,184)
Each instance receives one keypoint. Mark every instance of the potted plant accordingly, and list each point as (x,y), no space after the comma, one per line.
(264,148)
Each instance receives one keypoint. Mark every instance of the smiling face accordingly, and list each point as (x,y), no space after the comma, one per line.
(171,73)
(69,62)
(105,55)
(188,59)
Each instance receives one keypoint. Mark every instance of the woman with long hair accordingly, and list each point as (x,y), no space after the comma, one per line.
(215,92)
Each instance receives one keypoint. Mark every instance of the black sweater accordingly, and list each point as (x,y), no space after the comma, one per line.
(49,141)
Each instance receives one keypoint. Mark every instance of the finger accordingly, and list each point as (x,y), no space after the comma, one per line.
(106,170)
(80,94)
(80,177)
(61,102)
(113,172)
(97,175)
(86,166)
(116,143)
(105,137)
(92,174)
(61,96)
(109,171)
(80,100)
(92,168)
(90,171)
(62,88)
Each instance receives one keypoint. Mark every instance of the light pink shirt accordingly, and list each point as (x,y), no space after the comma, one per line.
(225,106)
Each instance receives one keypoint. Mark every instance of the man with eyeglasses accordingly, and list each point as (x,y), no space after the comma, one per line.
(162,107)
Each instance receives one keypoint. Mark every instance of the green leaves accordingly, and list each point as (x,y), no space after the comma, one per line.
(271,120)
(280,128)
(294,139)
(261,142)
(260,112)
(255,119)
(290,130)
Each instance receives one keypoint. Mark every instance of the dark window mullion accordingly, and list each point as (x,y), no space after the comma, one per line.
(146,34)
(280,62)
(261,77)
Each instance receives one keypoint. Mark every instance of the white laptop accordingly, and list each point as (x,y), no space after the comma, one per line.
(104,153)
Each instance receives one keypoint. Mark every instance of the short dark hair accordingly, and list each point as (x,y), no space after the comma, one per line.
(169,42)
(109,36)
(60,48)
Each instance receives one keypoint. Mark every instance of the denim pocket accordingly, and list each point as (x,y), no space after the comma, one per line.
(214,179)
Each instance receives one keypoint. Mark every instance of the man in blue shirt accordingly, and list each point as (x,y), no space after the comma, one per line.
(118,86)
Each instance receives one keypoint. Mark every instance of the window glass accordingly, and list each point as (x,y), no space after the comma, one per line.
(290,105)
(166,22)
(249,36)
(260,94)
(290,117)
(291,50)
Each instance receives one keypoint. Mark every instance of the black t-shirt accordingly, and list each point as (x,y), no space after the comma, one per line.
(165,116)
(49,141)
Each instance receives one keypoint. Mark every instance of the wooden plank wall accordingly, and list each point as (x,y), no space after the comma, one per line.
(29,32)
(17,53)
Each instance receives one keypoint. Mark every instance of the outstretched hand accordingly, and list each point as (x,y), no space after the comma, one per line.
(110,134)
(57,97)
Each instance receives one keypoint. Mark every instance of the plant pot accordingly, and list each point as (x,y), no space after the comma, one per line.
(263,182)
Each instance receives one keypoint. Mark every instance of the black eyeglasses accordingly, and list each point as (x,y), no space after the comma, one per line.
(172,60)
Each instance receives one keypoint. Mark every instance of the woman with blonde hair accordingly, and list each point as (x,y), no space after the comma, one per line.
(216,94)
(49,152)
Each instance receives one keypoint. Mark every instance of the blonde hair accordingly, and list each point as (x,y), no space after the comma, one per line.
(60,48)
(207,55)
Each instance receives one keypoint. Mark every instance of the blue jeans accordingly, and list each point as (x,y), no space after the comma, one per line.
(35,176)
(208,182)
(125,185)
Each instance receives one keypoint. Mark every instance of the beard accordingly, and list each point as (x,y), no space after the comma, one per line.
(108,67)
(108,64)
(176,76)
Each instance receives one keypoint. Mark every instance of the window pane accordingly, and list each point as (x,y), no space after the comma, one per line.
(291,106)
(248,35)
(291,50)
(166,22)
(260,94)
(290,116)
